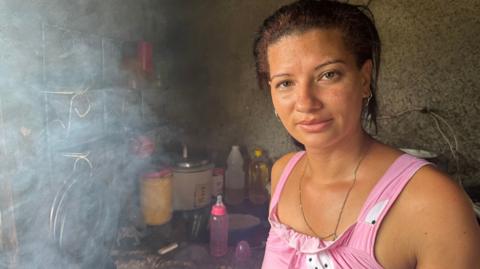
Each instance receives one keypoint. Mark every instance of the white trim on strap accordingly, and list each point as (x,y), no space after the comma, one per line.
(376,211)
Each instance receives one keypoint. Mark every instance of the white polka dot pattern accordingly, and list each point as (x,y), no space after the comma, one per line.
(321,260)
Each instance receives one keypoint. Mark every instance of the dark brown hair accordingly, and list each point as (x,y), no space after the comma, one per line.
(355,22)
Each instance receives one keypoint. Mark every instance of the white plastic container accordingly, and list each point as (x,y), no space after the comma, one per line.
(234,177)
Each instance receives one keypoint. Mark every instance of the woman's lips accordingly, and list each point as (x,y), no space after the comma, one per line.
(314,126)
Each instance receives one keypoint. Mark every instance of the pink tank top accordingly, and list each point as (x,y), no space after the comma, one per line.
(353,249)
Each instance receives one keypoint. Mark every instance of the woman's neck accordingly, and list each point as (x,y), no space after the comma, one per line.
(338,162)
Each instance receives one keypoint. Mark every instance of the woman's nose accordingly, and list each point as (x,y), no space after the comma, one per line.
(307,99)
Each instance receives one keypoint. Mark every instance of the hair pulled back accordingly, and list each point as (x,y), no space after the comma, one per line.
(356,24)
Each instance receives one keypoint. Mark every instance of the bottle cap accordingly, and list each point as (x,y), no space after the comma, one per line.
(257,152)
(219,209)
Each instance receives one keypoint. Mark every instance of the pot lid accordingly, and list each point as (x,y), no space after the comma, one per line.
(187,163)
(191,163)
(192,166)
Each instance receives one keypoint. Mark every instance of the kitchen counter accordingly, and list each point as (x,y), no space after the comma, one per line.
(139,248)
(188,255)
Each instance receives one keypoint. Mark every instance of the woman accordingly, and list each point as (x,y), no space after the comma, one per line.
(349,201)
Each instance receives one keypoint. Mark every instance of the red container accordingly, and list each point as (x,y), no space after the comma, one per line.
(142,146)
(145,53)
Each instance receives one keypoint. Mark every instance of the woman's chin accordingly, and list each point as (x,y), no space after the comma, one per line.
(311,141)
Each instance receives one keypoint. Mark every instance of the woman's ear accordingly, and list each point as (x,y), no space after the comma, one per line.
(366,72)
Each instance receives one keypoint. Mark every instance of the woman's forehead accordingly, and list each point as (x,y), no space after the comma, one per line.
(320,43)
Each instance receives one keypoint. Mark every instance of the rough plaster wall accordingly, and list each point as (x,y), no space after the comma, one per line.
(430,59)
(58,46)
(110,18)
(209,76)
(246,115)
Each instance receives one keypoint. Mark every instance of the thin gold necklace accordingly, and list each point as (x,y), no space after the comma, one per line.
(334,233)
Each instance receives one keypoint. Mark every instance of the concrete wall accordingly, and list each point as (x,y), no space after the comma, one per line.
(210,80)
(204,92)
(430,59)
(63,95)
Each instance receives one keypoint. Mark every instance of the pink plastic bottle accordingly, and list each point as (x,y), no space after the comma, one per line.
(218,229)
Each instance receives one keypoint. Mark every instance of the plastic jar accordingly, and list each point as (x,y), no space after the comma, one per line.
(156,197)
(234,177)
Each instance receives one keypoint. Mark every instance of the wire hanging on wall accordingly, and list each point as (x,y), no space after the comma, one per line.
(453,146)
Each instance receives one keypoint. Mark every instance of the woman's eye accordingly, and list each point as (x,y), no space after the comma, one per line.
(330,75)
(284,84)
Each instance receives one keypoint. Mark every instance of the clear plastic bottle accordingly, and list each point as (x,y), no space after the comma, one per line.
(218,229)
(258,178)
(234,177)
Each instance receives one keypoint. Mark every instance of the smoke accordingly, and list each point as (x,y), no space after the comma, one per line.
(67,120)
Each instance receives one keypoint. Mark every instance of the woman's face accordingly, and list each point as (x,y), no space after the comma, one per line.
(317,87)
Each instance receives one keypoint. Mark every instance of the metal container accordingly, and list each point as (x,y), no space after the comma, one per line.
(192,184)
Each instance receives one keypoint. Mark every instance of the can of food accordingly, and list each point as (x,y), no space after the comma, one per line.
(156,197)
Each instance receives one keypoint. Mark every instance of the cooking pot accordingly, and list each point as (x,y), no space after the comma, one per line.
(192,184)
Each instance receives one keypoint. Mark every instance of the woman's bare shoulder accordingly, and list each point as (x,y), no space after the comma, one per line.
(433,188)
(278,168)
(444,219)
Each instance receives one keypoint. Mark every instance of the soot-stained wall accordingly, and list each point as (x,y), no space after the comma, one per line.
(430,60)
(67,116)
(204,93)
